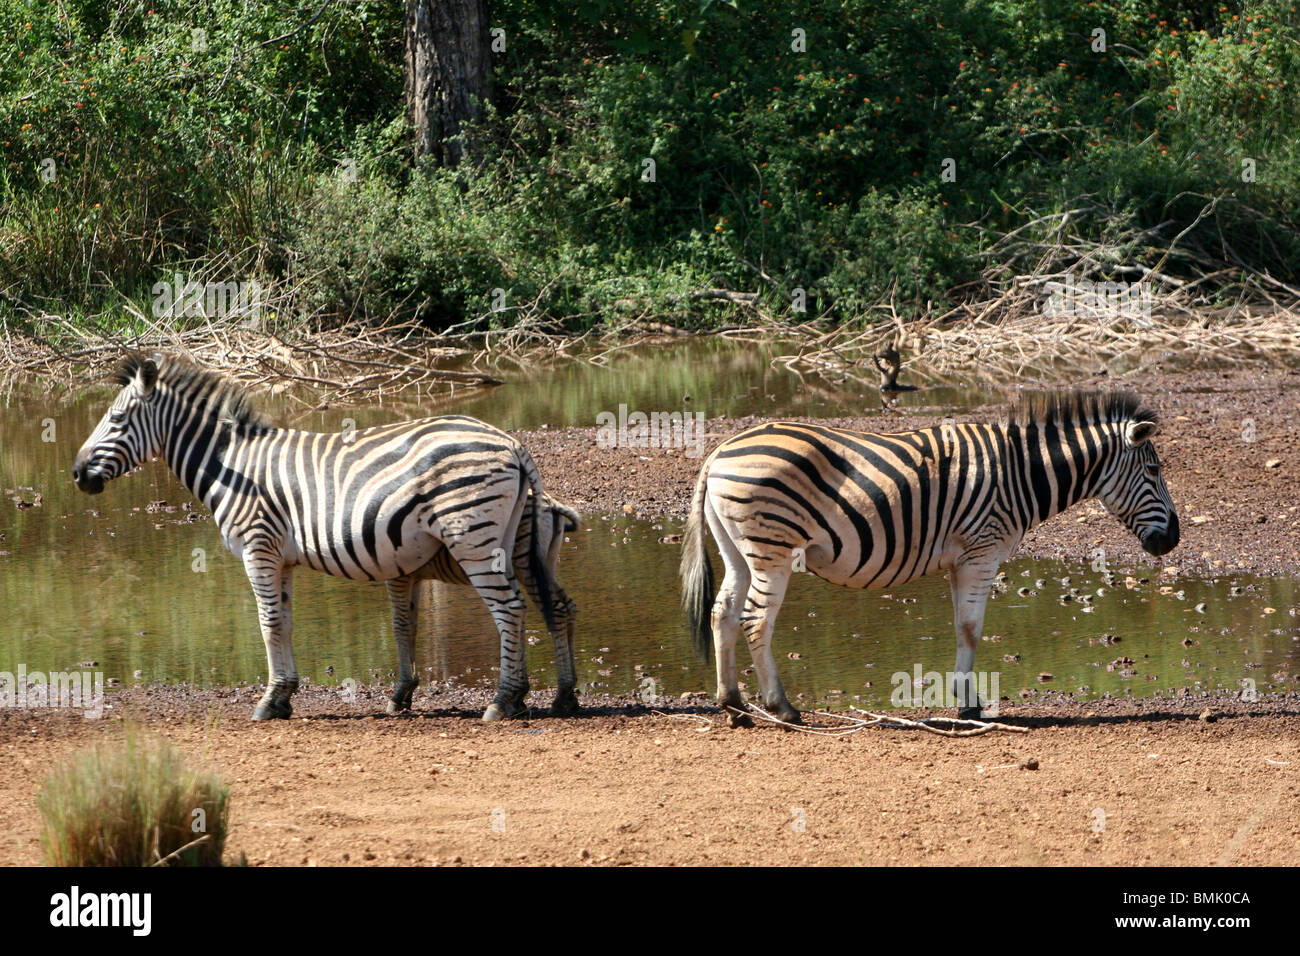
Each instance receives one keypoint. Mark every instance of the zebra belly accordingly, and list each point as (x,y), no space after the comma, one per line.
(871,558)
(348,556)
(875,574)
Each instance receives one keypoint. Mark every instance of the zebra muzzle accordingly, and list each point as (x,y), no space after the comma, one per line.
(91,482)
(1162,542)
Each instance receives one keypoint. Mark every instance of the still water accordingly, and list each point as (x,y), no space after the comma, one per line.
(138,583)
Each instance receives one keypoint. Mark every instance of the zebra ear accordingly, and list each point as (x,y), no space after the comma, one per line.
(1138,432)
(148,376)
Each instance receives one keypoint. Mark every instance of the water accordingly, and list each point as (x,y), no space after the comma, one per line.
(133,581)
(719,377)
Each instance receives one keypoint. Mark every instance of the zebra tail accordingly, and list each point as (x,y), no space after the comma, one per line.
(537,564)
(696,572)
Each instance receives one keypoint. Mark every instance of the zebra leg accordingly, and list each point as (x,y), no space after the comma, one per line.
(404,595)
(501,594)
(566,698)
(970,583)
(273,588)
(564,612)
(766,593)
(725,621)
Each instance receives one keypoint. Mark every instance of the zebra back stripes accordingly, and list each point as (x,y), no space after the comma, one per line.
(398,503)
(876,510)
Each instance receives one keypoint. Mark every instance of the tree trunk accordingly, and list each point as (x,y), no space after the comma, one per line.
(448,73)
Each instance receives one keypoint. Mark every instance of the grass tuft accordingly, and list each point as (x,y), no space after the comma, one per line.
(133,804)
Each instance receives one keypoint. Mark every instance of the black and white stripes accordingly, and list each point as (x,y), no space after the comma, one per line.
(869,511)
(441,497)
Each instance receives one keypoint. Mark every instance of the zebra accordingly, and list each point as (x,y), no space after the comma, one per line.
(877,510)
(437,498)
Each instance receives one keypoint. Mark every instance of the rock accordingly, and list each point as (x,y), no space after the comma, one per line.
(1029,763)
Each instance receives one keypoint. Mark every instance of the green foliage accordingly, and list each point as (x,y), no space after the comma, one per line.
(132,805)
(168,144)
(794,146)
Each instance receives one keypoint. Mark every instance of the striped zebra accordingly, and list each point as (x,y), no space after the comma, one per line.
(873,511)
(441,498)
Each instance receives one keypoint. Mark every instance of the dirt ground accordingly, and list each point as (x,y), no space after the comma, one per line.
(1116,782)
(1181,779)
(1220,430)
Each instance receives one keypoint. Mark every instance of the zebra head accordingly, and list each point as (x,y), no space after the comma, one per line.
(1134,491)
(128,434)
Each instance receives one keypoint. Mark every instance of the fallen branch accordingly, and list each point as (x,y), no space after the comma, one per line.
(850,724)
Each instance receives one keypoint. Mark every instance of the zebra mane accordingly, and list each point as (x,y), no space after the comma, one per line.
(1079,408)
(225,398)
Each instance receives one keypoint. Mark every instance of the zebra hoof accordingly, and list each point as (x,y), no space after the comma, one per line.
(970,713)
(501,711)
(789,715)
(736,718)
(269,710)
(565,704)
(398,706)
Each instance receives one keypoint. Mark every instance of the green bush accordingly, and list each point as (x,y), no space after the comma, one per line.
(168,145)
(132,805)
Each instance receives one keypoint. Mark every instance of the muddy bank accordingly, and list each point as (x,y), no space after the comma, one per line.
(1220,430)
(1200,780)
